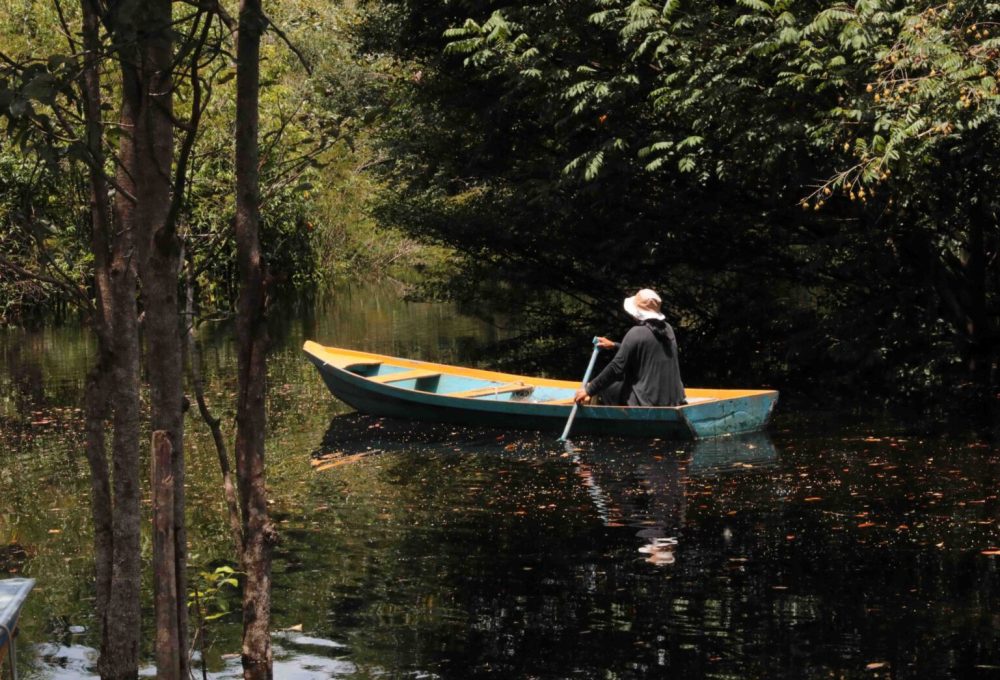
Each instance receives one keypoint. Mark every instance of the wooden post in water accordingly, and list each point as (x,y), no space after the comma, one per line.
(168,652)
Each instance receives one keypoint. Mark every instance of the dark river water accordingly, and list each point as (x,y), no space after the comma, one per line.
(433,552)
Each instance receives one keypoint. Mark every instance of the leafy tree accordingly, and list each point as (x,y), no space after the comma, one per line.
(574,151)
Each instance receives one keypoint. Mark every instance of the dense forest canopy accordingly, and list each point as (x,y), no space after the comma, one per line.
(809,185)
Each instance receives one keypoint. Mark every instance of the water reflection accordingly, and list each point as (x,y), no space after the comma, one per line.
(642,485)
(638,484)
(541,552)
(296,657)
(432,551)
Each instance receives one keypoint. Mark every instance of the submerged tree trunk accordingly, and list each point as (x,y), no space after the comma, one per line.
(121,616)
(251,341)
(160,254)
(97,405)
(120,647)
(168,641)
(98,389)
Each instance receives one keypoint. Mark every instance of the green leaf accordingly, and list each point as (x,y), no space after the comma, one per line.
(594,166)
(757,5)
(692,141)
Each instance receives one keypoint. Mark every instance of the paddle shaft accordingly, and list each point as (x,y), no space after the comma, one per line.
(586,377)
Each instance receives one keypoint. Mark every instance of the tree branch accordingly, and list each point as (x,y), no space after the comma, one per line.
(44,278)
(281,34)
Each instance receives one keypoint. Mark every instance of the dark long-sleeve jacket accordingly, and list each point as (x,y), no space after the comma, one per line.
(647,367)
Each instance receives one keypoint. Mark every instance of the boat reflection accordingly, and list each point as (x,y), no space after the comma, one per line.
(646,487)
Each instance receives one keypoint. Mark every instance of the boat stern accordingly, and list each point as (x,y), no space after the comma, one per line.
(730,416)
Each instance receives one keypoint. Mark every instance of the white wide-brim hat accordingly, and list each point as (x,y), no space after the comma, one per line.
(644,305)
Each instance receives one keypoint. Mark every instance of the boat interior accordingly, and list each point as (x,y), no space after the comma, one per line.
(469,383)
(460,386)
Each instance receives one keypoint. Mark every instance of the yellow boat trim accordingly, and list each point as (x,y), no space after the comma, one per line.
(346,358)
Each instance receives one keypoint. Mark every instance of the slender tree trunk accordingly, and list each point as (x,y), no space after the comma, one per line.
(980,331)
(120,646)
(168,642)
(160,254)
(214,424)
(983,332)
(97,394)
(251,341)
(98,389)
(121,625)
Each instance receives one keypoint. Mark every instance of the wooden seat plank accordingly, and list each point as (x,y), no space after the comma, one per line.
(489,391)
(416,374)
(559,402)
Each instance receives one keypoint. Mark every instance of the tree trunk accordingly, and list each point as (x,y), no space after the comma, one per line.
(979,327)
(251,342)
(98,389)
(160,254)
(96,404)
(121,626)
(168,641)
(120,646)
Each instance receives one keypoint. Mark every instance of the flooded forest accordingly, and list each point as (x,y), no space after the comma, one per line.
(190,192)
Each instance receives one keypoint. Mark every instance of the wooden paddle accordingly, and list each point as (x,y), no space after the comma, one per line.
(576,406)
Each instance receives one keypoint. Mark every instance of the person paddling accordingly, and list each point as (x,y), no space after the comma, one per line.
(645,370)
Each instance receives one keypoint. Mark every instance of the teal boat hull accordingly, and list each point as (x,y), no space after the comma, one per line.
(694,421)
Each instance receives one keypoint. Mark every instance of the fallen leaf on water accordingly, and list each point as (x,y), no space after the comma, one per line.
(55,531)
(297,628)
(865,525)
(876,664)
(813,499)
(991,551)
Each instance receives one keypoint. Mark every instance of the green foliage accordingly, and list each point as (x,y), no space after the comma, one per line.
(572,152)
(212,594)
(315,226)
(38,226)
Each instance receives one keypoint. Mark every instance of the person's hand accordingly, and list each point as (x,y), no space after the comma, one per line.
(604,343)
(581,396)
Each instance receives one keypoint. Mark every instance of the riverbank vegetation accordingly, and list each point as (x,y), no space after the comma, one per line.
(316,188)
(808,187)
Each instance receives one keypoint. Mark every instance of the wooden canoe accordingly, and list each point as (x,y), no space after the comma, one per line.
(403,388)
